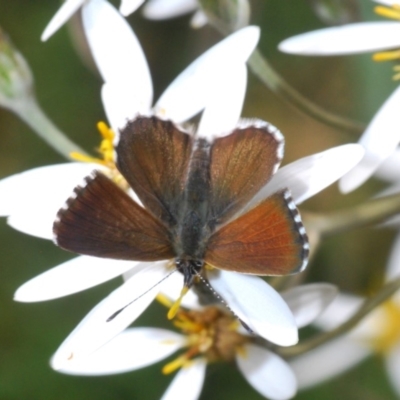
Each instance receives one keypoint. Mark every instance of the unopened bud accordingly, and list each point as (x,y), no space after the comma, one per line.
(16,81)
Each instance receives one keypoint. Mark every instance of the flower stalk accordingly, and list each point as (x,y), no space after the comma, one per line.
(17,95)
(369,305)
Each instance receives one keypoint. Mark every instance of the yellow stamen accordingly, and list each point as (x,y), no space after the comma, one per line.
(81,157)
(392,12)
(386,55)
(175,307)
(106,148)
(389,335)
(164,300)
(174,365)
(187,325)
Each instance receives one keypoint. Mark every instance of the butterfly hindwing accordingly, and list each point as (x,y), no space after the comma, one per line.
(153,155)
(103,221)
(241,164)
(268,240)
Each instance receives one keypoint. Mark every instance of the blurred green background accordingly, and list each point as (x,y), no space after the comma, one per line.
(69,93)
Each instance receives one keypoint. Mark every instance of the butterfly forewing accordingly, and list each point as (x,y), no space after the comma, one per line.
(153,156)
(269,240)
(241,164)
(103,221)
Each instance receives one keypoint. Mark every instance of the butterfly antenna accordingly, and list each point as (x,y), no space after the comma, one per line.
(221,300)
(112,316)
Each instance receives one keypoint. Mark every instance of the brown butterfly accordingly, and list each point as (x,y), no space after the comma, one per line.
(192,191)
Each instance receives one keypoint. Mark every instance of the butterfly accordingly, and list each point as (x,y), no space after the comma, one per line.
(192,191)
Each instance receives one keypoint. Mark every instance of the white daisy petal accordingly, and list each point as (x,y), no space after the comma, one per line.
(347,39)
(190,92)
(132,349)
(120,104)
(48,187)
(164,9)
(225,104)
(70,277)
(389,169)
(387,2)
(258,305)
(188,382)
(65,12)
(307,302)
(267,373)
(127,7)
(312,174)
(117,51)
(96,329)
(198,20)
(339,311)
(380,140)
(392,361)
(393,265)
(328,361)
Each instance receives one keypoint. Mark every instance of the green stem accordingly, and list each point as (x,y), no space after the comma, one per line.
(370,304)
(264,71)
(369,213)
(30,112)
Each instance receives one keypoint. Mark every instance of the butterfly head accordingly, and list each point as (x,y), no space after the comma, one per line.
(190,269)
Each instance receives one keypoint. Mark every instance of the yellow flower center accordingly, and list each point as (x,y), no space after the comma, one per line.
(107,155)
(389,332)
(392,12)
(210,333)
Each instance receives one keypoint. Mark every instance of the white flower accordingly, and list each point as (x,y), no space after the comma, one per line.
(265,371)
(379,332)
(250,297)
(126,92)
(70,7)
(383,133)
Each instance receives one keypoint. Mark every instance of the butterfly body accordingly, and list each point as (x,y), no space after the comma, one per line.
(192,191)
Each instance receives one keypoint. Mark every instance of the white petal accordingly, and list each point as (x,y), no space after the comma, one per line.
(120,104)
(339,311)
(348,39)
(387,2)
(65,12)
(393,367)
(225,102)
(132,349)
(345,306)
(267,373)
(127,7)
(310,175)
(389,169)
(258,305)
(163,9)
(198,20)
(307,302)
(393,265)
(117,52)
(328,361)
(190,92)
(188,382)
(34,197)
(380,140)
(95,330)
(70,277)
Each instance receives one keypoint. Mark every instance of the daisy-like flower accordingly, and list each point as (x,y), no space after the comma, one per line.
(127,91)
(382,135)
(208,335)
(379,332)
(70,7)
(256,303)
